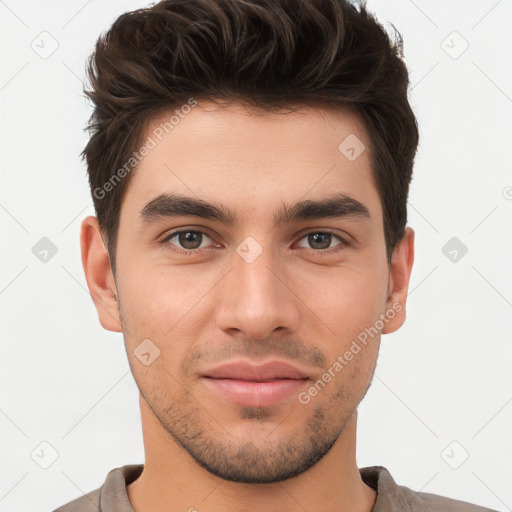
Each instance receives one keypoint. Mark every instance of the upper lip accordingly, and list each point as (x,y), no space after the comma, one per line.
(243,370)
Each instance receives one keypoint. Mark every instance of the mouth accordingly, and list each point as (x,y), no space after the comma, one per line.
(263,385)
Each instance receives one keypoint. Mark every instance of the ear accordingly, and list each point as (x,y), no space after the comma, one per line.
(399,275)
(98,273)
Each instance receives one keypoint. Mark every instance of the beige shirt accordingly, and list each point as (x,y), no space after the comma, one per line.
(112,496)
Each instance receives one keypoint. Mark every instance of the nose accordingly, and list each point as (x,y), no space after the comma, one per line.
(257,298)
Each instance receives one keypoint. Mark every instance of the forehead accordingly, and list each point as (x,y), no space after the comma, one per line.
(253,158)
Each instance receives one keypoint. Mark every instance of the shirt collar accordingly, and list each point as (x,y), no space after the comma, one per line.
(114,497)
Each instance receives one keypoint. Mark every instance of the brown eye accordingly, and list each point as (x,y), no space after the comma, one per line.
(187,240)
(321,240)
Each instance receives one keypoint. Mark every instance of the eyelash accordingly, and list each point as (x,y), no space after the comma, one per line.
(191,252)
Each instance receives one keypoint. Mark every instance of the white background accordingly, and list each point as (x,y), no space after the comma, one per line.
(443,378)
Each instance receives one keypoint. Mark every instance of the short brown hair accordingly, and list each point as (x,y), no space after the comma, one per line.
(264,54)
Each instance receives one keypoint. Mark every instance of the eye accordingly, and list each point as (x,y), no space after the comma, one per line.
(189,240)
(320,241)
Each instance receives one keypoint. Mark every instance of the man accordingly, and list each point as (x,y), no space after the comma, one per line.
(249,162)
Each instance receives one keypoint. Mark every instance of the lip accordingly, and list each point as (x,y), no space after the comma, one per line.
(242,370)
(255,385)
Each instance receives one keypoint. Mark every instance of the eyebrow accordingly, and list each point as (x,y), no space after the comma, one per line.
(174,205)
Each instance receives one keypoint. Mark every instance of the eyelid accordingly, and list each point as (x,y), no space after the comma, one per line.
(345,244)
(345,241)
(171,234)
(324,232)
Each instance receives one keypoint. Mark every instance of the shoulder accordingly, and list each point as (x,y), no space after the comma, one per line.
(434,503)
(111,494)
(87,503)
(391,496)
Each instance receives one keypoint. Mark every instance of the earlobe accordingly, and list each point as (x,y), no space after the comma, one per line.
(98,274)
(399,276)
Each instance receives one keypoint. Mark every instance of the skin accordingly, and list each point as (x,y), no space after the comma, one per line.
(291,303)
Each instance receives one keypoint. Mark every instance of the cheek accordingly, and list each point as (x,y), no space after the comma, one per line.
(349,385)
(156,296)
(350,300)
(165,308)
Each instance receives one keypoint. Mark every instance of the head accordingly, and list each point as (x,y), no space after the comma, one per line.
(278,136)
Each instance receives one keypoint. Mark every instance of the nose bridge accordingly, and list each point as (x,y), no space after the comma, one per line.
(254,271)
(256,300)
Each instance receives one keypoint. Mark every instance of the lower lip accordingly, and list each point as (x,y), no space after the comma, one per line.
(257,394)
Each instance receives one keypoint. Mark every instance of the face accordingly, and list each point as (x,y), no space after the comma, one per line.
(263,275)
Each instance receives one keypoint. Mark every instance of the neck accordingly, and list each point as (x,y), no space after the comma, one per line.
(172,480)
